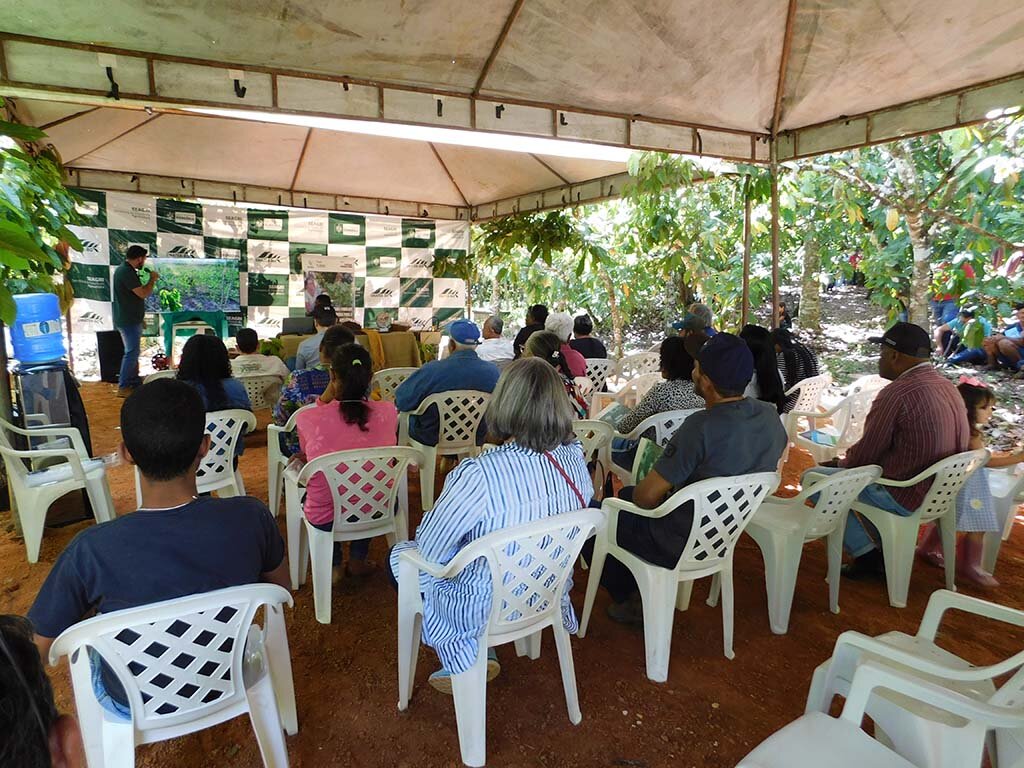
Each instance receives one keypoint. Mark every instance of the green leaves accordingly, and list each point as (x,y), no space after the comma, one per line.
(20,132)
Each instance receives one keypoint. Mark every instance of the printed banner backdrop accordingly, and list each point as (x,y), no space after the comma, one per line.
(370,265)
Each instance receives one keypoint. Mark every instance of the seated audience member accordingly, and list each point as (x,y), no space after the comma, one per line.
(690,325)
(206,366)
(537,471)
(305,386)
(251,362)
(175,544)
(676,393)
(1004,348)
(766,383)
(548,347)
(462,369)
(494,348)
(961,340)
(704,313)
(733,435)
(561,325)
(536,316)
(308,353)
(35,735)
(795,361)
(914,422)
(583,342)
(345,419)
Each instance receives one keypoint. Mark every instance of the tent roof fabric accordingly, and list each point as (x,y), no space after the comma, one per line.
(674,75)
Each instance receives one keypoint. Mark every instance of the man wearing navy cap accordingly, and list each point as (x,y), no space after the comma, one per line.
(462,369)
(732,435)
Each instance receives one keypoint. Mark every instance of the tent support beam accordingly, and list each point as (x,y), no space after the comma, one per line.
(121,135)
(787,45)
(302,157)
(561,178)
(448,172)
(234,192)
(745,309)
(65,119)
(774,169)
(497,46)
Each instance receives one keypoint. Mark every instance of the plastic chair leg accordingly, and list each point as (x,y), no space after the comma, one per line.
(714,590)
(529,646)
(593,581)
(266,722)
(280,664)
(321,547)
(118,738)
(101,500)
(303,555)
(898,542)
(565,662)
(658,593)
(469,689)
(835,565)
(274,482)
(33,520)
(410,625)
(138,489)
(990,551)
(781,566)
(293,527)
(427,474)
(727,609)
(683,594)
(947,527)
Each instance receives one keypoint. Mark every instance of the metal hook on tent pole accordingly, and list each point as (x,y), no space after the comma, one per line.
(561,119)
(234,195)
(440,108)
(700,142)
(239,89)
(498,110)
(115,89)
(344,85)
(387,209)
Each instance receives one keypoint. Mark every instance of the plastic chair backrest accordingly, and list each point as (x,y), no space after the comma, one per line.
(178,660)
(225,430)
(835,495)
(598,371)
(389,379)
(170,373)
(870,382)
(593,434)
(529,566)
(632,366)
(950,474)
(809,392)
(256,388)
(854,414)
(364,482)
(665,424)
(459,413)
(639,385)
(722,507)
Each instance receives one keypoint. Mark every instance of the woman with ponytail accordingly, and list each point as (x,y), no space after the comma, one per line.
(548,347)
(344,419)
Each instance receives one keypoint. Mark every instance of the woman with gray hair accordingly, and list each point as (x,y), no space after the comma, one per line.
(561,325)
(546,346)
(538,470)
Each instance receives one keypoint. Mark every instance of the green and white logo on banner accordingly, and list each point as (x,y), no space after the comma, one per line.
(268,225)
(92,205)
(417,291)
(297,250)
(267,290)
(90,281)
(227,248)
(383,262)
(179,217)
(122,239)
(346,228)
(417,233)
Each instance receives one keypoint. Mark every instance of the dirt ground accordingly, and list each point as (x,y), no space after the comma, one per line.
(711,711)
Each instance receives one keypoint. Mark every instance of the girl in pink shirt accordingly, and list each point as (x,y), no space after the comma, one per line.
(344,419)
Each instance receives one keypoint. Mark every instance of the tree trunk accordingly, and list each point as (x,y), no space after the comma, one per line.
(920,278)
(613,306)
(810,287)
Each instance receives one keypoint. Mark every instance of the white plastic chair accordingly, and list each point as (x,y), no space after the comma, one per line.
(665,425)
(808,392)
(530,566)
(388,380)
(34,490)
(899,534)
(459,413)
(848,416)
(1006,487)
(781,527)
(217,471)
(263,390)
(598,370)
(919,729)
(170,373)
(186,665)
(375,502)
(276,460)
(722,507)
(634,390)
(816,740)
(632,366)
(596,437)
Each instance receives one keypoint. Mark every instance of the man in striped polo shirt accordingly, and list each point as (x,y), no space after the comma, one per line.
(914,422)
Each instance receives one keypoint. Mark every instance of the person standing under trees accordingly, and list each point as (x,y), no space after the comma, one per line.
(766,383)
(583,342)
(536,316)
(796,363)
(129,306)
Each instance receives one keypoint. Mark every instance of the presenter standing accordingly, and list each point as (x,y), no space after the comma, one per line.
(129,312)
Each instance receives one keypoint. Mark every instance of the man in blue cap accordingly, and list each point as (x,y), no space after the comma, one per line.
(732,435)
(462,369)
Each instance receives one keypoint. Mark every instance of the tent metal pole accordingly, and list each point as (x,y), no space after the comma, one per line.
(745,309)
(774,170)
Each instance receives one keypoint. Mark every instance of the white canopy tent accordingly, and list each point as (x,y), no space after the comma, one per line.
(756,81)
